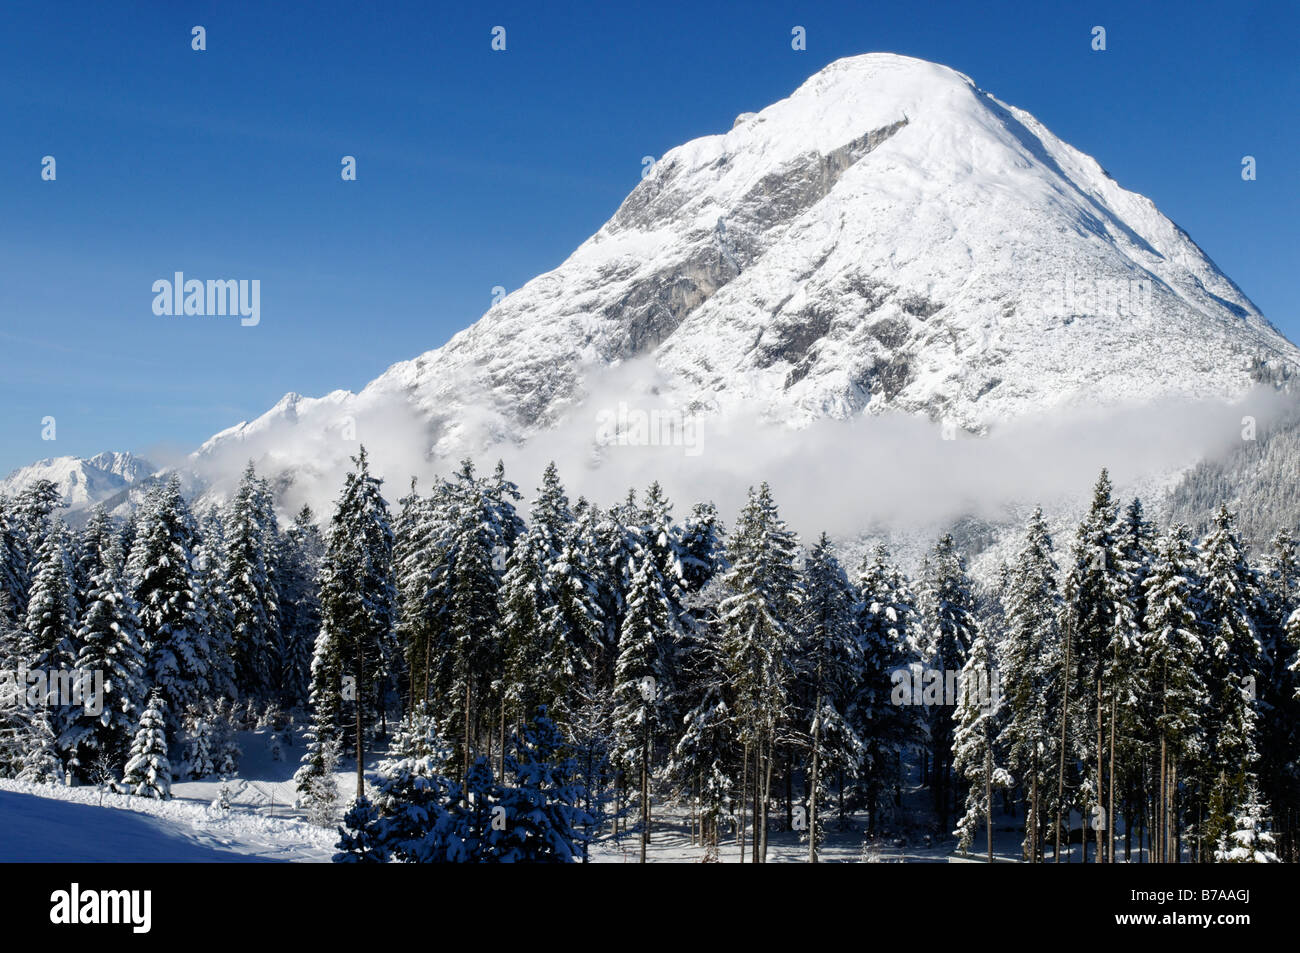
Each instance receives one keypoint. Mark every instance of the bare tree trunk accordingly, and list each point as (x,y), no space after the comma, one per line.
(1101,799)
(812,788)
(465,773)
(789,791)
(768,761)
(1033,813)
(988,793)
(1175,839)
(1161,802)
(358,695)
(756,846)
(502,772)
(744,792)
(1065,717)
(645,791)
(1110,809)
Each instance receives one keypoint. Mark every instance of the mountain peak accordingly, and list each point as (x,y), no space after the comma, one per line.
(83,482)
(888,238)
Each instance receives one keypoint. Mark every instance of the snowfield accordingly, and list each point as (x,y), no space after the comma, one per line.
(51,823)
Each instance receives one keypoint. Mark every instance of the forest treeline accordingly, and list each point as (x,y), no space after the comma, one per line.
(538,682)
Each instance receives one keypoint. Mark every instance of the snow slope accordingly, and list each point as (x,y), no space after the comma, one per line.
(49,823)
(888,238)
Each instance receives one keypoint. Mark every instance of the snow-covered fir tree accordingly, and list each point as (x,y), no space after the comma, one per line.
(40,761)
(828,665)
(551,623)
(1250,841)
(948,618)
(250,534)
(49,638)
(108,636)
(1031,664)
(888,624)
(977,756)
(30,516)
(1174,694)
(466,583)
(300,554)
(168,596)
(704,764)
(543,820)
(148,773)
(1101,624)
(703,546)
(759,618)
(644,685)
(198,761)
(359,838)
(358,604)
(1231,665)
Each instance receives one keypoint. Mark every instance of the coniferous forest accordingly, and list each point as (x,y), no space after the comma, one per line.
(525,677)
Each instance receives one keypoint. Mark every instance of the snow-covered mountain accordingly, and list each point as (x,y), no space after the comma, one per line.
(889,238)
(82,481)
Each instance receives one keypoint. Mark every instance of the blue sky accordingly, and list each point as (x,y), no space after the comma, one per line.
(478,168)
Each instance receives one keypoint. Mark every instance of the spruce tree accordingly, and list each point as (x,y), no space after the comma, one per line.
(30,518)
(198,763)
(1174,696)
(168,596)
(358,601)
(644,685)
(1102,629)
(212,582)
(470,588)
(96,544)
(148,772)
(1231,666)
(543,820)
(551,622)
(109,638)
(703,763)
(703,546)
(949,630)
(759,618)
(49,640)
(828,665)
(39,761)
(249,563)
(1251,841)
(1031,663)
(13,569)
(1278,688)
(359,838)
(301,551)
(977,755)
(889,630)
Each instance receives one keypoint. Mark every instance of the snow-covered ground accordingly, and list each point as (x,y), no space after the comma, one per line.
(47,822)
(55,823)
